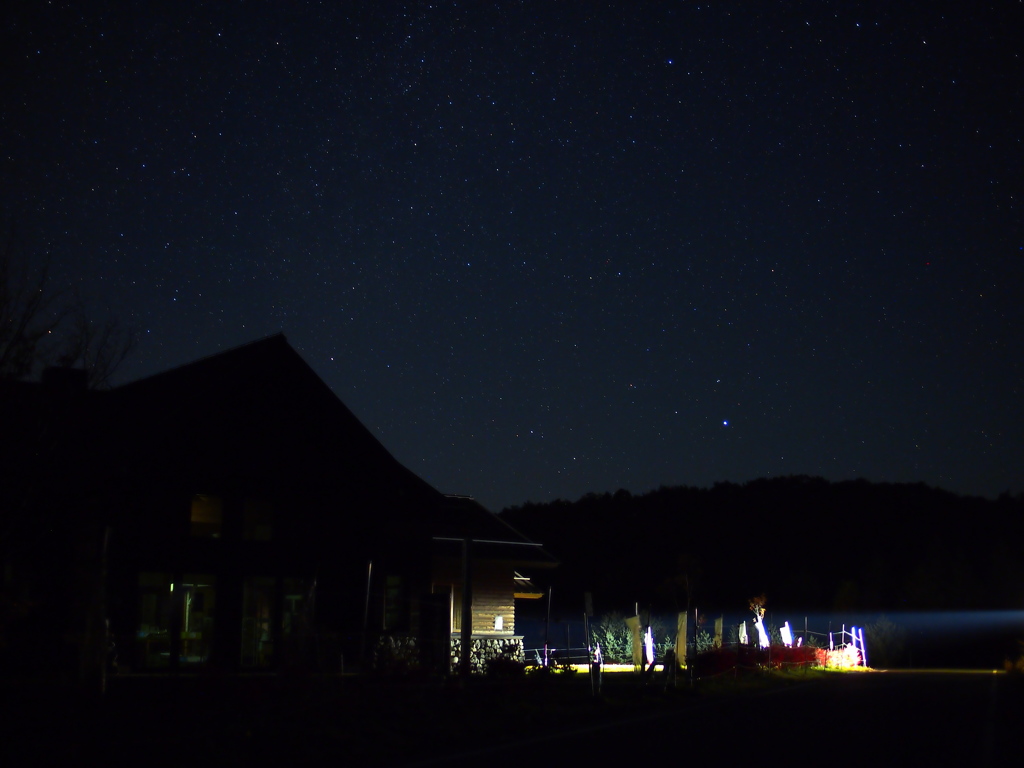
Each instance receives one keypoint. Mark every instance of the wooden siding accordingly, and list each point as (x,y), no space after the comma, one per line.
(493,588)
(489,601)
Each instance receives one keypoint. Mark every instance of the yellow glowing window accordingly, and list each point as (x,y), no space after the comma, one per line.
(207,516)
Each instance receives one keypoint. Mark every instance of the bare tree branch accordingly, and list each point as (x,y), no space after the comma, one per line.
(40,327)
(98,348)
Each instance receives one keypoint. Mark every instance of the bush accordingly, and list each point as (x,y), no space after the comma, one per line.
(797,656)
(617,641)
(1016,666)
(846,657)
(504,668)
(614,638)
(715,662)
(887,642)
(705,642)
(553,669)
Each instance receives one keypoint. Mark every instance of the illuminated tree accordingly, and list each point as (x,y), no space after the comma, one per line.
(757,605)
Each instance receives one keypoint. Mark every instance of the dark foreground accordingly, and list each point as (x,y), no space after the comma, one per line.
(963,719)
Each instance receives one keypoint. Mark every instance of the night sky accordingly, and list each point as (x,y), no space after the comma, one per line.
(547,248)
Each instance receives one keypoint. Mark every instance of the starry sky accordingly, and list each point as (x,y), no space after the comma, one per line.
(548,248)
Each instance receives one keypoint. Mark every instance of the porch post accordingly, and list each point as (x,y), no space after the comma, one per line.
(466,652)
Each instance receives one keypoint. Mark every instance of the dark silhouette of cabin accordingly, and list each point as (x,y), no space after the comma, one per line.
(233,513)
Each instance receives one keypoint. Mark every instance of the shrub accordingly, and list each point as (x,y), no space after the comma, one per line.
(797,656)
(553,669)
(617,641)
(1016,666)
(714,662)
(705,642)
(614,637)
(846,657)
(887,642)
(504,668)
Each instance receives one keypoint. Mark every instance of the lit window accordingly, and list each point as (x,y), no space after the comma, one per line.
(207,516)
(155,607)
(197,599)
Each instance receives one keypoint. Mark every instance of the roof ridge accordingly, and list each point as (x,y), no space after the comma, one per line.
(279,336)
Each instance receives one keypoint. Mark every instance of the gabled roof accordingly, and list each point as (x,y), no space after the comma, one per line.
(257,417)
(262,400)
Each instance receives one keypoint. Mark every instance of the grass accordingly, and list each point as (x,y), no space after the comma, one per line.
(212,720)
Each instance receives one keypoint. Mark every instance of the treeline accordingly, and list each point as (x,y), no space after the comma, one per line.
(807,543)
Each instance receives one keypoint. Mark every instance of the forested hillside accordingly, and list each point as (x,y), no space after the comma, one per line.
(808,543)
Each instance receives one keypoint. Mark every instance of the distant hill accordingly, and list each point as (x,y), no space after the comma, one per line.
(808,543)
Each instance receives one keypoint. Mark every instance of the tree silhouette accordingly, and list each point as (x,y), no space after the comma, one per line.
(52,551)
(42,327)
(29,315)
